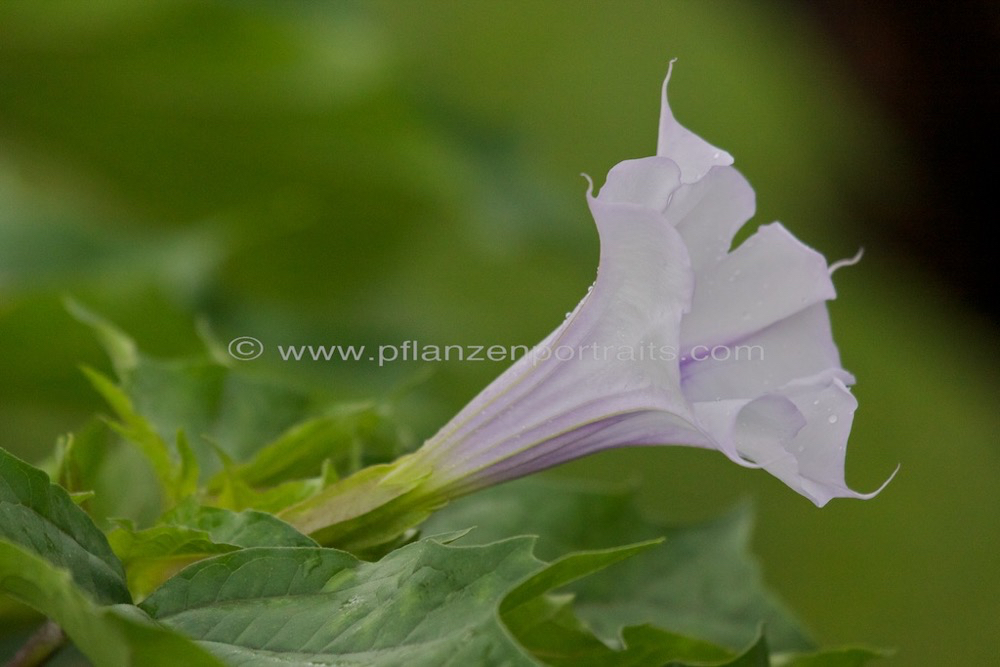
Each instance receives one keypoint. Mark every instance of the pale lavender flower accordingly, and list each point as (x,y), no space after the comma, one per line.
(670,290)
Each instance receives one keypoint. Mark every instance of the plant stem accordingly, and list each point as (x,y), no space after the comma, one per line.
(40,646)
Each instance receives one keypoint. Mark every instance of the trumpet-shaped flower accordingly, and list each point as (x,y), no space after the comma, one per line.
(680,341)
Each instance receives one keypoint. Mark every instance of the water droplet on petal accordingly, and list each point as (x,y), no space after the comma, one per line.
(832,419)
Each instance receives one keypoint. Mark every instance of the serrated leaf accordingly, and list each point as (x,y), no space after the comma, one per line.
(423,605)
(41,518)
(110,636)
(248,528)
(702,582)
(190,533)
(153,555)
(547,626)
(567,569)
(549,629)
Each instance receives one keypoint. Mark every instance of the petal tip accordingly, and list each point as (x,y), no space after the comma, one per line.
(872,494)
(820,500)
(693,155)
(850,261)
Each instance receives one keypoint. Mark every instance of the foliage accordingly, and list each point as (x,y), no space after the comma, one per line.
(218,581)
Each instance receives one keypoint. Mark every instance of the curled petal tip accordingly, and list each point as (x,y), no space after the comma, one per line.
(851,261)
(693,155)
(821,499)
(872,494)
(666,79)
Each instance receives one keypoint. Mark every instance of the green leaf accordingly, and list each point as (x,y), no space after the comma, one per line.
(94,460)
(190,533)
(547,626)
(137,430)
(110,636)
(269,431)
(646,645)
(186,482)
(79,457)
(153,555)
(425,604)
(157,399)
(41,518)
(235,494)
(236,413)
(702,582)
(245,529)
(755,656)
(352,437)
(567,569)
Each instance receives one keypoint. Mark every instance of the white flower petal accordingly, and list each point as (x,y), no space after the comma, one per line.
(648,182)
(708,214)
(771,276)
(812,462)
(693,155)
(797,346)
(646,427)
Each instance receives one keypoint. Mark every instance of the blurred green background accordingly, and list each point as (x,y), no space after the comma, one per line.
(369,173)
